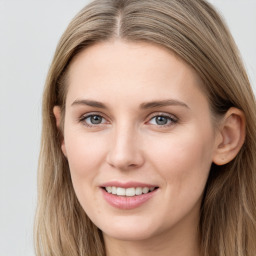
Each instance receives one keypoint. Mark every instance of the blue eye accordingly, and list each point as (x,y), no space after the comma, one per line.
(162,120)
(159,120)
(93,120)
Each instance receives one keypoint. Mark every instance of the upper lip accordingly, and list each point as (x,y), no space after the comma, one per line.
(130,184)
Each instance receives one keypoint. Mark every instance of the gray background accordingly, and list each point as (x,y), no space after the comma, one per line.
(29,31)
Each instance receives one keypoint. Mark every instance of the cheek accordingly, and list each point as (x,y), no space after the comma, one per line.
(83,152)
(184,161)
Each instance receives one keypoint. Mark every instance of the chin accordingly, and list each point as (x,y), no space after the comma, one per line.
(129,230)
(129,234)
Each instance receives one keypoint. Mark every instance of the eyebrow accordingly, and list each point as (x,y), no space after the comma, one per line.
(91,103)
(146,105)
(163,103)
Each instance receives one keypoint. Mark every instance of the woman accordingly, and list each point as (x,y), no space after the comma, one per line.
(148,141)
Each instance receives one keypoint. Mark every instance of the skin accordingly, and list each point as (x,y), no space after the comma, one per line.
(130,145)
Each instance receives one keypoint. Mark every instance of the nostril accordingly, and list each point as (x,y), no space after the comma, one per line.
(125,157)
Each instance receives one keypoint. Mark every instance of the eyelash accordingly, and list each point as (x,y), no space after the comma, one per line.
(170,118)
(83,118)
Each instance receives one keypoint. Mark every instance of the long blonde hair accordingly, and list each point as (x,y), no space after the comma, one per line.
(193,31)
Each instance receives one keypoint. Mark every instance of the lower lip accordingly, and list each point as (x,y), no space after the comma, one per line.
(126,202)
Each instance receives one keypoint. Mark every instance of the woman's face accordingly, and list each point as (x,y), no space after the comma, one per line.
(139,139)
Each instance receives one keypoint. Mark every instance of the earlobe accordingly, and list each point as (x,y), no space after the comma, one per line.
(57,114)
(230,137)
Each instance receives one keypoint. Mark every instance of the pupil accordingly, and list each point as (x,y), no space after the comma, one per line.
(96,119)
(161,120)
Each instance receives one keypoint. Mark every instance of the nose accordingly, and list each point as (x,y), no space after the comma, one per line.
(125,150)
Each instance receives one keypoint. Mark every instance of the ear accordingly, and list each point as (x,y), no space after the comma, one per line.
(230,137)
(57,114)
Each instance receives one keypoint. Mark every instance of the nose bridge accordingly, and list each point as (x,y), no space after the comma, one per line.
(125,151)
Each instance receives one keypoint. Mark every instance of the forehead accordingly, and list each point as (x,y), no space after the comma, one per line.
(129,69)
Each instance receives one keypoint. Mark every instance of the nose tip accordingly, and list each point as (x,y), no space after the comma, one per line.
(122,162)
(125,153)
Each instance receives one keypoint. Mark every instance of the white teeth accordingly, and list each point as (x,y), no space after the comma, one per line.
(120,191)
(113,190)
(109,189)
(138,191)
(145,190)
(129,191)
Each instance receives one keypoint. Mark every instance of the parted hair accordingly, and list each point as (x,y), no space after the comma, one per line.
(193,31)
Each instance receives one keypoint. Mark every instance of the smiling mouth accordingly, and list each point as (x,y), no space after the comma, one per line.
(129,192)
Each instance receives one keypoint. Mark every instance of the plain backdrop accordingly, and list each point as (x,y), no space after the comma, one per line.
(29,32)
